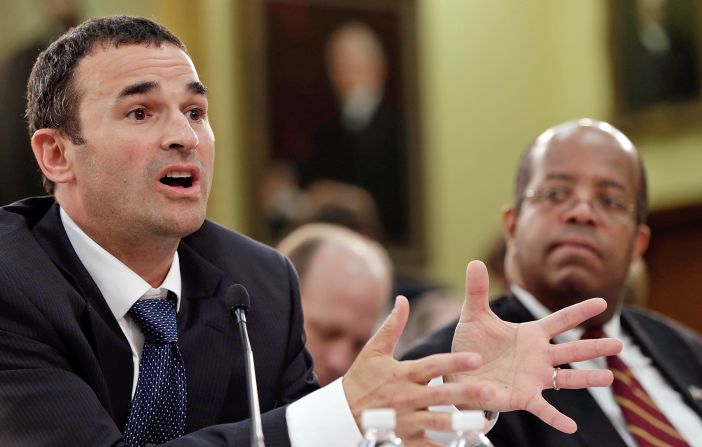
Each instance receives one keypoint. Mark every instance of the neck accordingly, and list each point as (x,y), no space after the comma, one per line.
(150,261)
(147,253)
(149,256)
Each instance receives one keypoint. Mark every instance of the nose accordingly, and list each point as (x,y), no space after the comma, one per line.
(581,211)
(179,134)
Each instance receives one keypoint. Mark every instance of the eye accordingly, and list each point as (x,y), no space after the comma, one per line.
(612,203)
(196,114)
(555,194)
(137,114)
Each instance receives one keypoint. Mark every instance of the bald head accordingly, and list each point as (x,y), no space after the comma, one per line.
(581,134)
(345,285)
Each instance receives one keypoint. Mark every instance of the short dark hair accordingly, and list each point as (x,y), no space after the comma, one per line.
(524,173)
(52,96)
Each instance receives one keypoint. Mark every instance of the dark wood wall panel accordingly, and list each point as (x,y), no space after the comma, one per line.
(674,260)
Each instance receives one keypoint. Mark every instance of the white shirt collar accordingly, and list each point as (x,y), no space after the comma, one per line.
(120,286)
(612,328)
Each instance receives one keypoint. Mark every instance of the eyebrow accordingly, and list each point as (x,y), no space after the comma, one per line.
(559,176)
(198,88)
(611,184)
(145,87)
(138,89)
(600,184)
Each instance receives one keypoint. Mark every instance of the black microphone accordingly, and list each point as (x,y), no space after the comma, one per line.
(238,303)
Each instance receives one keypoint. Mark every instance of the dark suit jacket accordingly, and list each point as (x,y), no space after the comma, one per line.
(676,352)
(66,368)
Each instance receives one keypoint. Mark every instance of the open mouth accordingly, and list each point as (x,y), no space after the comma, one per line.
(178,179)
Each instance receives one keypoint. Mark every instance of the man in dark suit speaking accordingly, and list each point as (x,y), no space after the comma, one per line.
(114,330)
(577,224)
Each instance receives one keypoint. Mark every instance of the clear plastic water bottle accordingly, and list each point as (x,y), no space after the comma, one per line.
(379,428)
(468,427)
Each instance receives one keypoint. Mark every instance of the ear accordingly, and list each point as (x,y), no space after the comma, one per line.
(641,239)
(49,147)
(509,223)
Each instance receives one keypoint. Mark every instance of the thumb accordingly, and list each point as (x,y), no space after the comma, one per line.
(477,290)
(384,341)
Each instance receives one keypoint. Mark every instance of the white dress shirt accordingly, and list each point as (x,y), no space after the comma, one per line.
(320,419)
(668,400)
(119,285)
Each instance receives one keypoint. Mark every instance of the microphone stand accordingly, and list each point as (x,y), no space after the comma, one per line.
(254,410)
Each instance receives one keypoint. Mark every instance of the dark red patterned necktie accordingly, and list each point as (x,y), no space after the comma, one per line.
(647,424)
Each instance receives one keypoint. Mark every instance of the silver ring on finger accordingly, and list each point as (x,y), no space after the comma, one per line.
(554,378)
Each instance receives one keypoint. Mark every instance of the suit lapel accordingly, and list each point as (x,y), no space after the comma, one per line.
(668,360)
(206,338)
(100,327)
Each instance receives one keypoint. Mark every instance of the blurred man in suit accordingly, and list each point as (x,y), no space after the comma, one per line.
(576,226)
(345,286)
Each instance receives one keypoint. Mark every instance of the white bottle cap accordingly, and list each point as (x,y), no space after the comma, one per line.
(468,420)
(378,418)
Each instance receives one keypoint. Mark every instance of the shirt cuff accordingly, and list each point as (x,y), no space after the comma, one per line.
(323,418)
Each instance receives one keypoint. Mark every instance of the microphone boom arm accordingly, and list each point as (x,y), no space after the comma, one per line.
(254,409)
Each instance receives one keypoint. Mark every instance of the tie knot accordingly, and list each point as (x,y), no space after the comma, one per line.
(593,332)
(156,317)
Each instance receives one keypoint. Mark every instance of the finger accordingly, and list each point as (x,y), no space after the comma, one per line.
(577,351)
(477,289)
(386,337)
(475,395)
(467,395)
(548,413)
(571,316)
(415,423)
(425,369)
(573,379)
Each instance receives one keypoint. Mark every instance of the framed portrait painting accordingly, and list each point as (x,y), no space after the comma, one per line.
(337,117)
(656,49)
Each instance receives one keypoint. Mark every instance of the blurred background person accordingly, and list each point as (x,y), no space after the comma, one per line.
(329,201)
(345,288)
(337,203)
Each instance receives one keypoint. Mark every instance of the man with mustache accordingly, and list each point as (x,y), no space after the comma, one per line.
(577,224)
(114,329)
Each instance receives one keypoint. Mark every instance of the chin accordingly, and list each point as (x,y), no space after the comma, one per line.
(576,288)
(182,225)
(187,228)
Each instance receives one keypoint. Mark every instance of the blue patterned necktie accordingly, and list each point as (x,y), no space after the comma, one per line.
(157,414)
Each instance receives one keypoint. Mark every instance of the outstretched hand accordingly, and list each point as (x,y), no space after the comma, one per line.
(377,380)
(519,360)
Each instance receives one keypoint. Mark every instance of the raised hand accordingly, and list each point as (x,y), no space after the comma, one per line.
(519,360)
(377,380)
